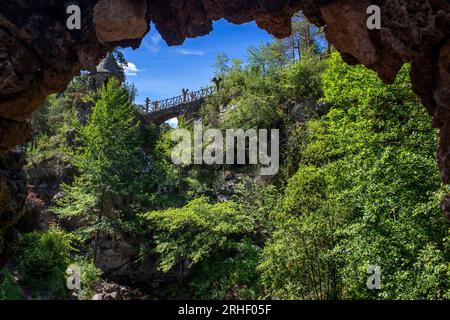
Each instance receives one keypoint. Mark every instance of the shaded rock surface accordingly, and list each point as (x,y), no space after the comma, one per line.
(45,178)
(12,196)
(112,291)
(122,261)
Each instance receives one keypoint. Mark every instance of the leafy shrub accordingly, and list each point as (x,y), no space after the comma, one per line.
(9,290)
(43,259)
(232,272)
(301,82)
(257,202)
(90,277)
(215,238)
(296,261)
(231,275)
(252,112)
(196,231)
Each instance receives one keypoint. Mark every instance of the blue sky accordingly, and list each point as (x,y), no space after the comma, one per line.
(160,72)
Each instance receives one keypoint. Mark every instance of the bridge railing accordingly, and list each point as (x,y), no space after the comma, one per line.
(186,98)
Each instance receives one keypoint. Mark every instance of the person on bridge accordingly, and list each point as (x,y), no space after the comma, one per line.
(185,94)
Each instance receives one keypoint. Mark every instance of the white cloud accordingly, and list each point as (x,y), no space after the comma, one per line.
(131,69)
(153,45)
(188,52)
(156,38)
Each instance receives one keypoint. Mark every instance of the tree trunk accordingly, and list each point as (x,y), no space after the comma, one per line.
(293,49)
(99,221)
(182,273)
(96,239)
(308,37)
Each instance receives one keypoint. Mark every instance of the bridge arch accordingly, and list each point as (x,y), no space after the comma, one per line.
(186,104)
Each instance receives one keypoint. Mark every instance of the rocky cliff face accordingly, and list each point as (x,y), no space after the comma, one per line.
(12,195)
(39,55)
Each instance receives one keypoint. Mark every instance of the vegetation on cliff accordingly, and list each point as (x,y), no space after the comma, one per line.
(358,187)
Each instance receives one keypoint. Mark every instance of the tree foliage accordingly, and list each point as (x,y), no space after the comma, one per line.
(366,193)
(359,184)
(109,188)
(43,260)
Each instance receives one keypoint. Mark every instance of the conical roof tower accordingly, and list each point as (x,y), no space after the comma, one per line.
(108,66)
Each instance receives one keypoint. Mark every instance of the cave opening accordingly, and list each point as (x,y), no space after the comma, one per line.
(86,173)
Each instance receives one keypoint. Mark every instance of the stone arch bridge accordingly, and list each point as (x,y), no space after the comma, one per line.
(187,104)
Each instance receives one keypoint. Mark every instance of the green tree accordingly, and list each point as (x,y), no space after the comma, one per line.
(305,39)
(367,193)
(195,231)
(221,65)
(108,190)
(216,240)
(267,58)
